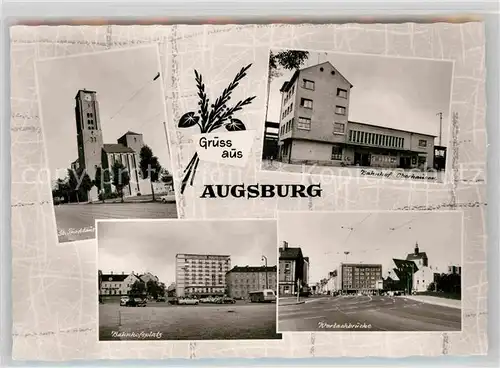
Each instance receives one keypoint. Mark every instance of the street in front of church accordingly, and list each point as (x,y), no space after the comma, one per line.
(77,221)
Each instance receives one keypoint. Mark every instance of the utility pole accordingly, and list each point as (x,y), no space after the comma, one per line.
(440,114)
(298,290)
(264,258)
(166,136)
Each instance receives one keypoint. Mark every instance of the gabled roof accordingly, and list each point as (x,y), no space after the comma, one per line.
(405,264)
(113,277)
(129,133)
(287,85)
(419,255)
(393,277)
(253,269)
(117,148)
(290,253)
(148,274)
(390,278)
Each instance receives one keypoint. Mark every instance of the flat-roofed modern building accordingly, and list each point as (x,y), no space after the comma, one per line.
(358,277)
(200,275)
(314,127)
(241,281)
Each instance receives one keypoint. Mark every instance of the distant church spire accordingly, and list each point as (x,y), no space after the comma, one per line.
(416,248)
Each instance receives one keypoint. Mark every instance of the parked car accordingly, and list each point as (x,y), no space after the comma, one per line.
(170,198)
(394,293)
(124,300)
(136,302)
(228,300)
(161,299)
(205,300)
(186,301)
(173,301)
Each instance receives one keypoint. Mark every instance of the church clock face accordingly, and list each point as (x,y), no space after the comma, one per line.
(87,98)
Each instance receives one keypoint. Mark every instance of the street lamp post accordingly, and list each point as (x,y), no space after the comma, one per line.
(298,290)
(264,258)
(346,254)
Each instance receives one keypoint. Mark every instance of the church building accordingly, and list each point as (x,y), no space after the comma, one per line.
(94,153)
(424,274)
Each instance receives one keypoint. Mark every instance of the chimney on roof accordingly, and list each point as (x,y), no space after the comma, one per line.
(416,248)
(123,273)
(285,245)
(111,272)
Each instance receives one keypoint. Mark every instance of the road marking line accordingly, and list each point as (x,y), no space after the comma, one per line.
(313,300)
(314,317)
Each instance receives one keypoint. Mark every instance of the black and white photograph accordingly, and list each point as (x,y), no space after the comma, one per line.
(357,115)
(187,279)
(370,271)
(103,118)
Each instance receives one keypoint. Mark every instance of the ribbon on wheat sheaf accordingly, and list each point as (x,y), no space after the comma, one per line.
(211,117)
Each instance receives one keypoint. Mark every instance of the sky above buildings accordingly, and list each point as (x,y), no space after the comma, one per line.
(128,99)
(392,92)
(151,246)
(375,238)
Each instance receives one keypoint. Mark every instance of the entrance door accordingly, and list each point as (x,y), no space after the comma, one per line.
(357,158)
(404,162)
(365,159)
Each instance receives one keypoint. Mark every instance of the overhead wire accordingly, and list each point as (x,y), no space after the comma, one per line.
(134,95)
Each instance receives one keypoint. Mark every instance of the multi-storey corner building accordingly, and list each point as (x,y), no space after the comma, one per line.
(241,281)
(314,127)
(201,274)
(293,270)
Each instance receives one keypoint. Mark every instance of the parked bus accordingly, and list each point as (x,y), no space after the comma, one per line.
(262,296)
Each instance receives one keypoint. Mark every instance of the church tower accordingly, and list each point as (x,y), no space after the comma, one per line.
(89,133)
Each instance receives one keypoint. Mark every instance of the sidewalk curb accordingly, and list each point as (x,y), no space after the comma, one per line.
(435,302)
(293,303)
